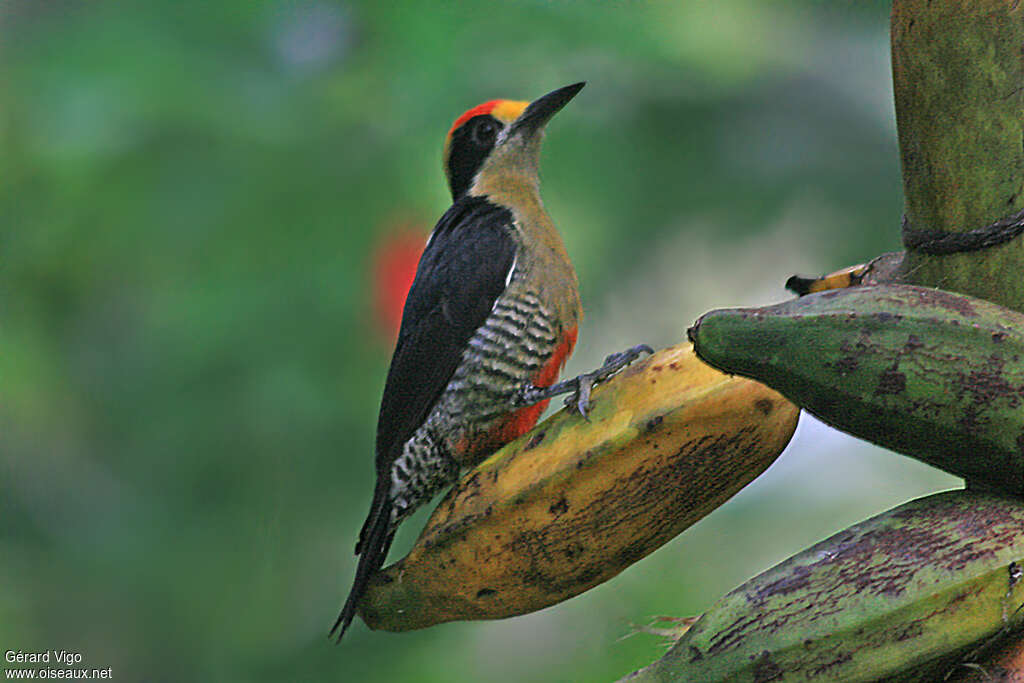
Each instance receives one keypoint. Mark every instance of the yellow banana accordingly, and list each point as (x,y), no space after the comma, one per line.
(574,502)
(846,277)
(882,269)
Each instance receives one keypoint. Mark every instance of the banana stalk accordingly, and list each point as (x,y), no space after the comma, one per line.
(935,375)
(574,502)
(906,595)
(1002,663)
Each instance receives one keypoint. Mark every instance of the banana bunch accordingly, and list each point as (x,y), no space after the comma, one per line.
(907,595)
(574,502)
(934,375)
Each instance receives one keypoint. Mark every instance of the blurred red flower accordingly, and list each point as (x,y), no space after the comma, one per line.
(395,259)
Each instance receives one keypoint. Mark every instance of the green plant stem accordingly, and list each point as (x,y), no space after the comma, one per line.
(958,80)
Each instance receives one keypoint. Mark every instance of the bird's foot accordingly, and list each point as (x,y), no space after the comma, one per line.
(530,394)
(581,386)
(584,384)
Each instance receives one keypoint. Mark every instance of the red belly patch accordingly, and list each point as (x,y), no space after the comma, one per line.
(523,420)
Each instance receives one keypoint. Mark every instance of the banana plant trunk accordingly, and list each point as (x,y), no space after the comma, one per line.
(958,80)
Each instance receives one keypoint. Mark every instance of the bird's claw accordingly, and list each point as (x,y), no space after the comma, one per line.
(621,359)
(580,398)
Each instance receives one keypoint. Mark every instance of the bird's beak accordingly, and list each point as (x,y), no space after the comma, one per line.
(542,109)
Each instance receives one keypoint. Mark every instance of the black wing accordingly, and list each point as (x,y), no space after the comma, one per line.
(462,271)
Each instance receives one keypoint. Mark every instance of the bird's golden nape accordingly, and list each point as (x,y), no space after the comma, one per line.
(489,321)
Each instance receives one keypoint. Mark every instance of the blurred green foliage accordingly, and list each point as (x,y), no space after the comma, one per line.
(189,364)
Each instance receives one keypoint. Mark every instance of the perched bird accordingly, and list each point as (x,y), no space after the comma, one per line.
(489,322)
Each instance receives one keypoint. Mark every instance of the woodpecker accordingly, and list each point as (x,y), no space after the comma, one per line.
(488,324)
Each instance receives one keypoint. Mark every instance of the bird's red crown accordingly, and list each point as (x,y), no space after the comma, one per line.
(505,111)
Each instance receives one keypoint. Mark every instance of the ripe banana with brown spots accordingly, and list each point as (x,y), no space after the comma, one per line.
(574,502)
(935,375)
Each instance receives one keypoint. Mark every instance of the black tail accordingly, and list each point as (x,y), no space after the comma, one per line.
(374,543)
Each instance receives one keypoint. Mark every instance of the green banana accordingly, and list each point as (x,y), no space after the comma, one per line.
(906,595)
(935,375)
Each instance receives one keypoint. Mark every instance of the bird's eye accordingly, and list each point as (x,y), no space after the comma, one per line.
(485,132)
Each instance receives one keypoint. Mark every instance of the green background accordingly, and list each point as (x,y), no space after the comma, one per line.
(191,195)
